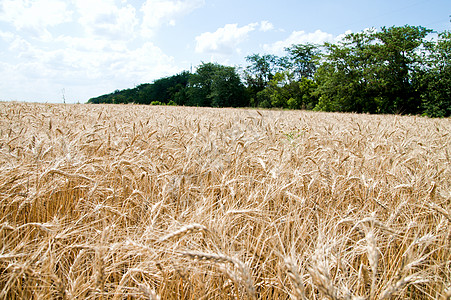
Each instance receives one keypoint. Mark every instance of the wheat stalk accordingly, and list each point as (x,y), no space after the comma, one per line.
(103,201)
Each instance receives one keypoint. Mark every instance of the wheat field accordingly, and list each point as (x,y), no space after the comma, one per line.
(155,202)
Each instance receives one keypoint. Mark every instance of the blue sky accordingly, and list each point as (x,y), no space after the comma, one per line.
(86,48)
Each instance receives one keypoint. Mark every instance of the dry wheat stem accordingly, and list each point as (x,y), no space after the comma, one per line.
(131,201)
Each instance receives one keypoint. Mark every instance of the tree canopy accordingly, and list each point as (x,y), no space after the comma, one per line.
(403,70)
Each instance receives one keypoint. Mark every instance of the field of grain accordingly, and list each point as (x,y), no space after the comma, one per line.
(147,202)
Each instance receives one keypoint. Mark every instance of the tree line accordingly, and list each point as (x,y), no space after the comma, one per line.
(401,70)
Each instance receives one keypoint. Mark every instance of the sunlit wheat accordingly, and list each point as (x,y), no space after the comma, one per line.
(154,202)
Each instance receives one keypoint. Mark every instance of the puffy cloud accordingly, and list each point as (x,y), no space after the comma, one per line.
(224,40)
(7,36)
(100,17)
(164,12)
(35,15)
(299,37)
(97,49)
(106,19)
(266,26)
(100,66)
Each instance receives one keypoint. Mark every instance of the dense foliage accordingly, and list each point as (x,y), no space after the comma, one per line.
(403,70)
(160,91)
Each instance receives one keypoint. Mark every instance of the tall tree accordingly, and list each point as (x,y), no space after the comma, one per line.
(373,71)
(216,85)
(227,90)
(436,97)
(199,92)
(302,60)
(397,53)
(164,89)
(285,92)
(342,84)
(259,72)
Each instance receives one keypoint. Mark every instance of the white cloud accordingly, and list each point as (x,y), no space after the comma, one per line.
(101,53)
(7,36)
(266,26)
(35,15)
(106,19)
(224,40)
(165,12)
(149,63)
(299,37)
(89,66)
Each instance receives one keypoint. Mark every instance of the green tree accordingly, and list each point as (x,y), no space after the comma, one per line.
(373,71)
(302,60)
(181,96)
(436,97)
(341,82)
(144,92)
(285,92)
(227,90)
(281,88)
(259,72)
(216,85)
(398,55)
(164,89)
(261,69)
(118,99)
(306,98)
(199,92)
